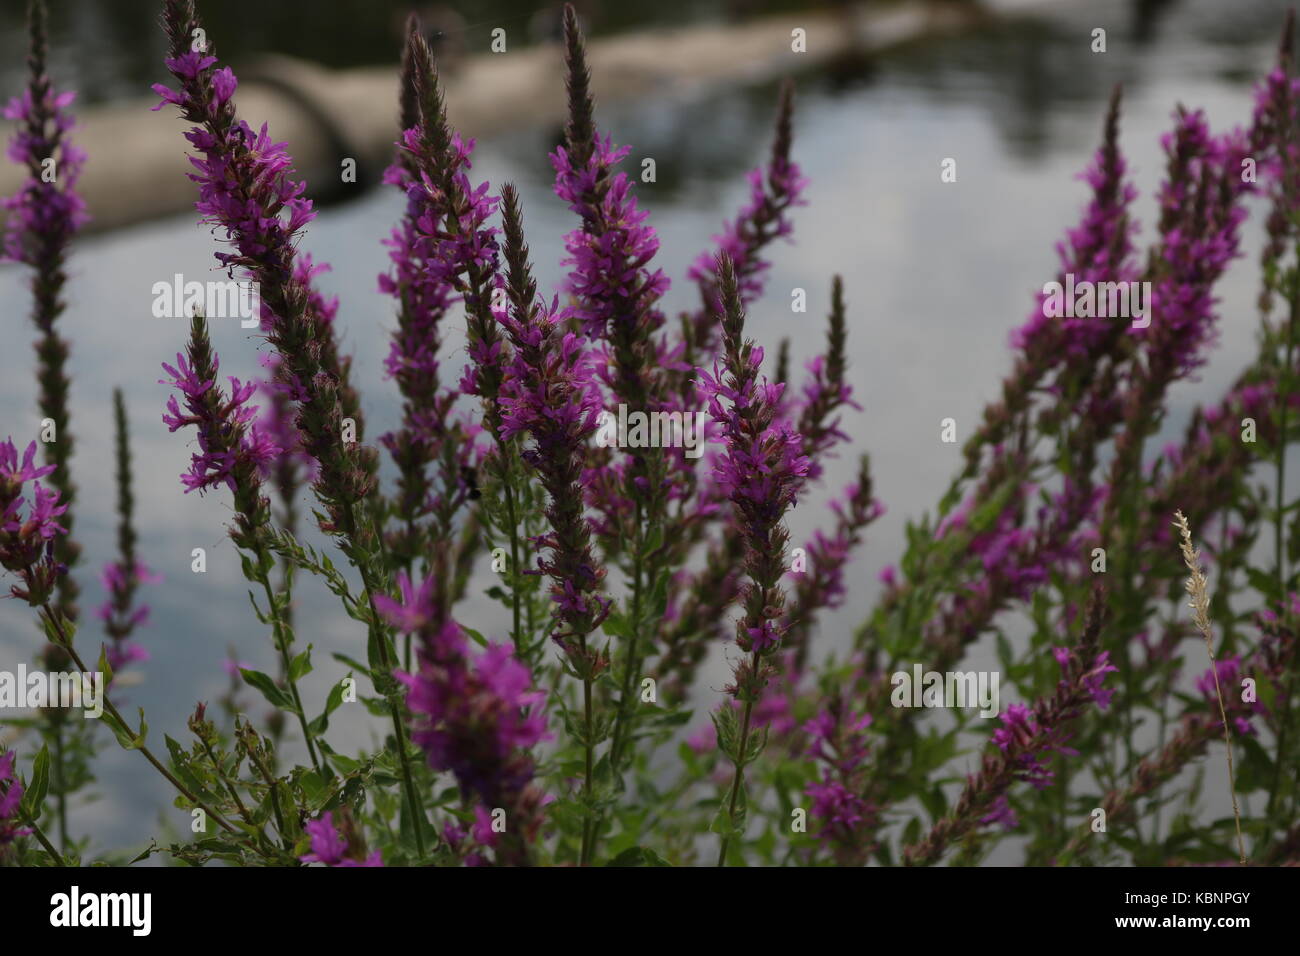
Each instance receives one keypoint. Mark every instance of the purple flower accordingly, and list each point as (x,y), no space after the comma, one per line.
(608,256)
(14,474)
(840,810)
(46,211)
(1229,672)
(1001,813)
(548,395)
(773,191)
(415,611)
(425,285)
(1026,742)
(476,718)
(821,584)
(1092,678)
(761,469)
(838,740)
(40,221)
(28,530)
(11,795)
(119,614)
(246,187)
(227,435)
(332,847)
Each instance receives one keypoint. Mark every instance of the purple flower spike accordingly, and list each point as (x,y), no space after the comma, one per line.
(761,470)
(42,218)
(246,188)
(1024,744)
(476,718)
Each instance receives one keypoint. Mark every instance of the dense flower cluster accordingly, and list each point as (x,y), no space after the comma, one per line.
(548,395)
(28,529)
(760,470)
(47,211)
(11,795)
(228,434)
(476,718)
(246,187)
(333,846)
(838,739)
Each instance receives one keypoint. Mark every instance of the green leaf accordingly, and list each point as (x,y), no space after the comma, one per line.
(38,786)
(128,740)
(638,856)
(1256,770)
(270,691)
(935,804)
(69,630)
(732,824)
(1265,584)
(300,666)
(103,666)
(321,723)
(353,663)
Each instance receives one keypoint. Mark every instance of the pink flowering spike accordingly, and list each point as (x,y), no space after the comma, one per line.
(121,578)
(1023,745)
(761,469)
(442,253)
(773,192)
(246,188)
(445,243)
(846,819)
(41,220)
(31,523)
(615,290)
(548,395)
(826,391)
(233,450)
(821,584)
(475,717)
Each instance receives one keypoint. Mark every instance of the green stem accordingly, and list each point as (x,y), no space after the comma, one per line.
(269,778)
(112,711)
(399,730)
(588,824)
(282,645)
(514,558)
(739,778)
(60,784)
(230,787)
(41,838)
(1279,553)
(630,667)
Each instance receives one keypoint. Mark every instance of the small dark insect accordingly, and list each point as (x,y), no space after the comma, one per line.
(470,477)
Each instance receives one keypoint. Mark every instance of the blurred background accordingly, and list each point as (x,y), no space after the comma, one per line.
(936,274)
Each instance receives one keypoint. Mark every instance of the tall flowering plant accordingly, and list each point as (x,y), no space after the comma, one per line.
(582,733)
